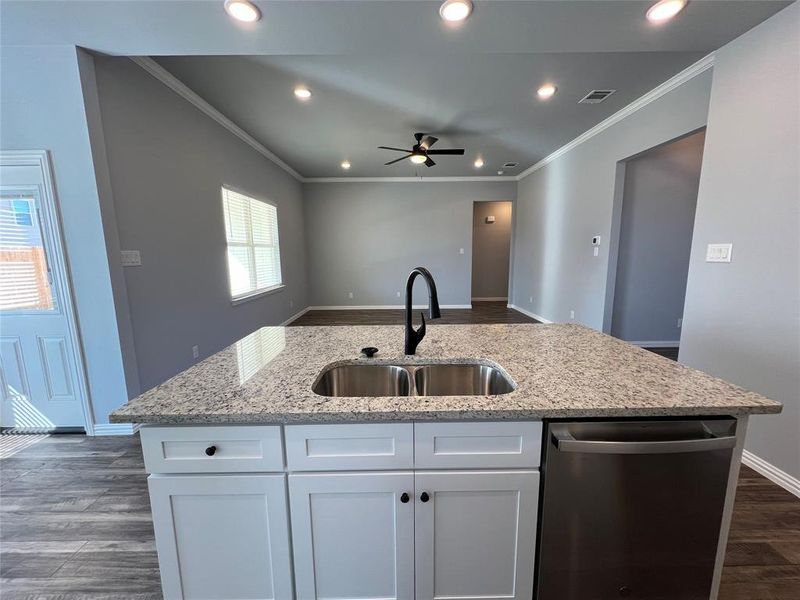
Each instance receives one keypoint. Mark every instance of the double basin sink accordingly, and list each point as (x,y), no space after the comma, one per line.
(433,379)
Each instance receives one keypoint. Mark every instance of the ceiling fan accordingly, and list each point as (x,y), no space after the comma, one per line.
(421,152)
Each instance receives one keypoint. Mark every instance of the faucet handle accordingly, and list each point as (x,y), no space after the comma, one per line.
(421,330)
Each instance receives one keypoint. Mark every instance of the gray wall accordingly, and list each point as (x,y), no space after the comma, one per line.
(167,162)
(491,249)
(658,206)
(562,205)
(742,320)
(43,109)
(365,237)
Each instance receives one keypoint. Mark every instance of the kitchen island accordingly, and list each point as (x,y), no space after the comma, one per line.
(262,488)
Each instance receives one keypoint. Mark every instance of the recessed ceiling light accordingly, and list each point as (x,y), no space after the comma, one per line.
(664,10)
(345,164)
(478,163)
(455,10)
(418,159)
(547,91)
(302,92)
(242,10)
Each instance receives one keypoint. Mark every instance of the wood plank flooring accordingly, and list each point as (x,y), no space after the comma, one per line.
(75,525)
(75,520)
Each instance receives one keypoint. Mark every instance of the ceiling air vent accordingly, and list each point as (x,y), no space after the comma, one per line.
(596,96)
(510,165)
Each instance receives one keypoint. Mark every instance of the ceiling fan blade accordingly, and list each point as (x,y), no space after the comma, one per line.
(429,162)
(449,151)
(418,136)
(428,141)
(391,162)
(390,148)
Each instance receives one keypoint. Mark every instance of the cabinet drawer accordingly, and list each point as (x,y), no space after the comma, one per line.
(356,447)
(212,449)
(514,444)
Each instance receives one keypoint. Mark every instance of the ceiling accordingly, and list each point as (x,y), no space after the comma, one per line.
(381,70)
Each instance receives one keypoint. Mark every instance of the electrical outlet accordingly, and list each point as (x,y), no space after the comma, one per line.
(680,323)
(596,251)
(291,303)
(350,295)
(398,294)
(530,299)
(572,314)
(195,352)
(461,251)
(131,258)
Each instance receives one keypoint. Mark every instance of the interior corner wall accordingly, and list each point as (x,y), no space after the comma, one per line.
(43,109)
(742,320)
(562,205)
(365,237)
(167,162)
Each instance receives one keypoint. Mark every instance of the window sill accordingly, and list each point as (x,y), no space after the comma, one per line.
(258,294)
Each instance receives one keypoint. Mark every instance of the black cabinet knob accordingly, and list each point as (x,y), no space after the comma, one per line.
(211,451)
(424,496)
(404,498)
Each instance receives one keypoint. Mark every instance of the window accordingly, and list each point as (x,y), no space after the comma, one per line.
(254,258)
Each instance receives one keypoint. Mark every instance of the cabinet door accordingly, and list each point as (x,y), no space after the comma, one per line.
(222,536)
(352,534)
(475,534)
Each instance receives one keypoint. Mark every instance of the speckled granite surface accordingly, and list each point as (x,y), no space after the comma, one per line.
(559,370)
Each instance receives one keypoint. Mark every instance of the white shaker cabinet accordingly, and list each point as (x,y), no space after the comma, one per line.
(353,535)
(475,534)
(222,536)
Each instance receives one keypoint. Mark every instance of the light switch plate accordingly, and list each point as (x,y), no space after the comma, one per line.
(720,253)
(131,258)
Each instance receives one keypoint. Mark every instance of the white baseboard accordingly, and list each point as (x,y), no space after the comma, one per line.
(295,316)
(115,428)
(657,344)
(532,315)
(491,299)
(771,472)
(385,306)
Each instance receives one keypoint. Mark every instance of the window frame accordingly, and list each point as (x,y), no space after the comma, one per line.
(258,292)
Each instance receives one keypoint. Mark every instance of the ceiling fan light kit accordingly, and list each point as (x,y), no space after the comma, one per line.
(420,153)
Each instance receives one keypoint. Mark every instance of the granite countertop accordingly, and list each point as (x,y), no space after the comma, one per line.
(559,370)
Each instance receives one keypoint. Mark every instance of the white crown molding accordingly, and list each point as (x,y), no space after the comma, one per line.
(532,315)
(295,317)
(407,179)
(688,73)
(177,86)
(385,307)
(782,478)
(115,428)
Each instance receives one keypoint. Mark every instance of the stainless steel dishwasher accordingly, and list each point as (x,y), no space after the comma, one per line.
(632,509)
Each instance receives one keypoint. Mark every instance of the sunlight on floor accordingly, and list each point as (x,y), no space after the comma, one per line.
(10,444)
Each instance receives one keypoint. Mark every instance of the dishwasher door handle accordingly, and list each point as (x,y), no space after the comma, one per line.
(566,442)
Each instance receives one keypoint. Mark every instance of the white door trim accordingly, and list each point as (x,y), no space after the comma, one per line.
(59,267)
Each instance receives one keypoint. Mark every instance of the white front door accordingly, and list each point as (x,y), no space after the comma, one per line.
(42,386)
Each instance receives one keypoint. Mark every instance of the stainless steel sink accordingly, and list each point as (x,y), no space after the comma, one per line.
(433,379)
(364,380)
(460,380)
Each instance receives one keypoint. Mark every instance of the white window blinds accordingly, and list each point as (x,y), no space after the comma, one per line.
(254,258)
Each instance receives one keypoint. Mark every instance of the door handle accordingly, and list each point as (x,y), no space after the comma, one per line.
(566,442)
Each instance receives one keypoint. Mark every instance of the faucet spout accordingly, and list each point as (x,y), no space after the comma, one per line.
(414,336)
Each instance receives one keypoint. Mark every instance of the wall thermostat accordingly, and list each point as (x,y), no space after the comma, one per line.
(490,219)
(596,240)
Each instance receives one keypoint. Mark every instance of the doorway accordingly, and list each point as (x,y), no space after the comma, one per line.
(41,371)
(491,250)
(655,220)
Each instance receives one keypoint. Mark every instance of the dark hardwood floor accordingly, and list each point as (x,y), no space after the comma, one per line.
(75,517)
(481,312)
(75,524)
